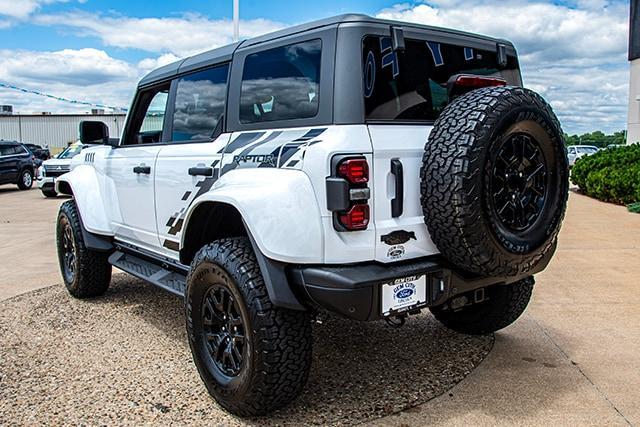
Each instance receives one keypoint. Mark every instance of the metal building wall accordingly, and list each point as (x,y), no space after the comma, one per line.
(54,131)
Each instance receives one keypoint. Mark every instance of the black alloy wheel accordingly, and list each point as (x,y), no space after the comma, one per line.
(68,251)
(518,182)
(223,331)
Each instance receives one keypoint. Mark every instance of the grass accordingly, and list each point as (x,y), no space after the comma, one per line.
(634,207)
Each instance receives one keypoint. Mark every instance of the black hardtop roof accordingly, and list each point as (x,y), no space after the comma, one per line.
(225,53)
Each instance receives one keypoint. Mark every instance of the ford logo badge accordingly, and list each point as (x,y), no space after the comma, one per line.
(404,293)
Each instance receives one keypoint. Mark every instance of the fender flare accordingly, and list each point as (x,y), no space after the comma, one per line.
(83,182)
(282,219)
(279,209)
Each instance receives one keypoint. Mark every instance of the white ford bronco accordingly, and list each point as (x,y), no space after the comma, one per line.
(363,167)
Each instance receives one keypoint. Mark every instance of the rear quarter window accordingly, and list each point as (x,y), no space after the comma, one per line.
(412,84)
(281,83)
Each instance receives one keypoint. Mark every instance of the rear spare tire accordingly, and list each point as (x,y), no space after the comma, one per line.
(494,181)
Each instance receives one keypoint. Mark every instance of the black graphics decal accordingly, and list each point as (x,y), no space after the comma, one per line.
(268,159)
(275,149)
(242,140)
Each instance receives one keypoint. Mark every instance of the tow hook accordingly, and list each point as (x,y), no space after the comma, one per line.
(396,321)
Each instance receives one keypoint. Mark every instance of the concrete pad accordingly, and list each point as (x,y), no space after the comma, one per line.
(525,380)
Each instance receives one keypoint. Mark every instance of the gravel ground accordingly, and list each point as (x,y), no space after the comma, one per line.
(124,359)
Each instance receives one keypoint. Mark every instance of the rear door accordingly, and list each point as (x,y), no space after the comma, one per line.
(4,163)
(9,159)
(404,93)
(189,164)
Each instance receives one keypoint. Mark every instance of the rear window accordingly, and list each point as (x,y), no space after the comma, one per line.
(412,84)
(281,83)
(200,99)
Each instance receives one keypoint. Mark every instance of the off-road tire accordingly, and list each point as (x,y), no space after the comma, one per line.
(459,165)
(277,360)
(49,193)
(503,305)
(92,273)
(21,180)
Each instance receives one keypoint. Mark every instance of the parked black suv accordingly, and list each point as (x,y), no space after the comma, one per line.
(39,152)
(16,164)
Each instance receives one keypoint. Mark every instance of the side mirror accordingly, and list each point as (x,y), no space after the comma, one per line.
(94,133)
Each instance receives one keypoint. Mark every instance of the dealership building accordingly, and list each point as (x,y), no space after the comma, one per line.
(633,127)
(55,131)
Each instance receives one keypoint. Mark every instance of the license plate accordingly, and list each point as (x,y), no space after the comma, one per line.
(403,294)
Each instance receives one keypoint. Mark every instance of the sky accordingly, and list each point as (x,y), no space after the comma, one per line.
(573,52)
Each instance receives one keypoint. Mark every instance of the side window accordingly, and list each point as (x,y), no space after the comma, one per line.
(200,100)
(6,150)
(281,83)
(147,123)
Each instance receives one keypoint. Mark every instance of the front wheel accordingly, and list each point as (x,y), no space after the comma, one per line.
(503,305)
(49,193)
(86,273)
(253,357)
(26,180)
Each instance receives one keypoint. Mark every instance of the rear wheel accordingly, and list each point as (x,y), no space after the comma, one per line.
(502,306)
(253,357)
(25,181)
(86,273)
(49,193)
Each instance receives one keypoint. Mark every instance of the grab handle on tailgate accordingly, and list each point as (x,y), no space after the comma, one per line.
(398,201)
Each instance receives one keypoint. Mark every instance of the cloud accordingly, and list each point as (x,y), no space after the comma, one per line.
(84,74)
(23,8)
(181,36)
(83,67)
(150,64)
(574,54)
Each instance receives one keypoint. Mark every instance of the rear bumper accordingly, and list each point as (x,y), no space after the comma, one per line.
(354,291)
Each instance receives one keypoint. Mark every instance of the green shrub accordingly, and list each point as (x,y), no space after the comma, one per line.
(634,207)
(612,175)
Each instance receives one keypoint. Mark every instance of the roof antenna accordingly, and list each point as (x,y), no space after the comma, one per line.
(236,20)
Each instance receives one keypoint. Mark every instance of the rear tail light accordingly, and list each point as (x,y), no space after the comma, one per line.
(476,82)
(356,218)
(356,171)
(348,192)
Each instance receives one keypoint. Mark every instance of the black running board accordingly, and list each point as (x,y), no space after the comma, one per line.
(168,280)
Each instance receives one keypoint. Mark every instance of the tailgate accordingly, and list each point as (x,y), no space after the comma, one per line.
(404,235)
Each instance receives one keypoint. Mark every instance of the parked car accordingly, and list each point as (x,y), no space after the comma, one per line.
(53,168)
(39,152)
(16,164)
(574,152)
(367,167)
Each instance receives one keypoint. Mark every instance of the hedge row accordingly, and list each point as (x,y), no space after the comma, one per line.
(612,175)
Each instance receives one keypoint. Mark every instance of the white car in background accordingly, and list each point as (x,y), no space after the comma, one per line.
(56,166)
(574,152)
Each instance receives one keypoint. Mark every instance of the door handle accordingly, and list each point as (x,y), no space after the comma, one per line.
(141,169)
(201,171)
(398,201)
